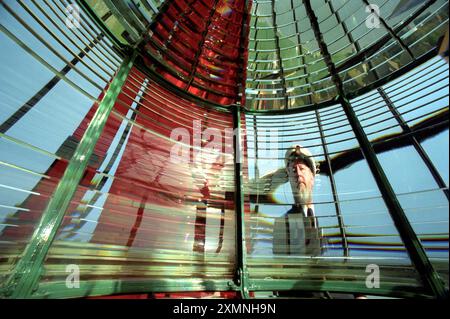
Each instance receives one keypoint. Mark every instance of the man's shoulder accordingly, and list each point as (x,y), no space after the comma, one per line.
(291,215)
(295,210)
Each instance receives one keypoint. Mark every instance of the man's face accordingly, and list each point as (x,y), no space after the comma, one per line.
(302,181)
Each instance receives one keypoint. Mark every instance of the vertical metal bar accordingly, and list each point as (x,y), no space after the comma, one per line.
(256,143)
(278,52)
(241,247)
(258,104)
(406,129)
(241,275)
(300,51)
(255,26)
(333,188)
(25,276)
(243,54)
(431,280)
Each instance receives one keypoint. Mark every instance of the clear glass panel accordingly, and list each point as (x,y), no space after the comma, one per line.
(352,219)
(148,212)
(433,147)
(362,54)
(146,219)
(416,103)
(51,77)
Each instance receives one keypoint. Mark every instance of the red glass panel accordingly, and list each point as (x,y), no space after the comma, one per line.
(212,29)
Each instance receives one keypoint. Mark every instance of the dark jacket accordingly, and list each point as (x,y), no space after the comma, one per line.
(297,234)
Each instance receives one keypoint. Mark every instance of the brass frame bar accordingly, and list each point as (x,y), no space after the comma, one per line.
(25,276)
(241,276)
(333,188)
(278,52)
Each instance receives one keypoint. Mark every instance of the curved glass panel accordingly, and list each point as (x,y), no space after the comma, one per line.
(119,138)
(413,111)
(198,46)
(150,215)
(286,68)
(52,76)
(126,20)
(354,226)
